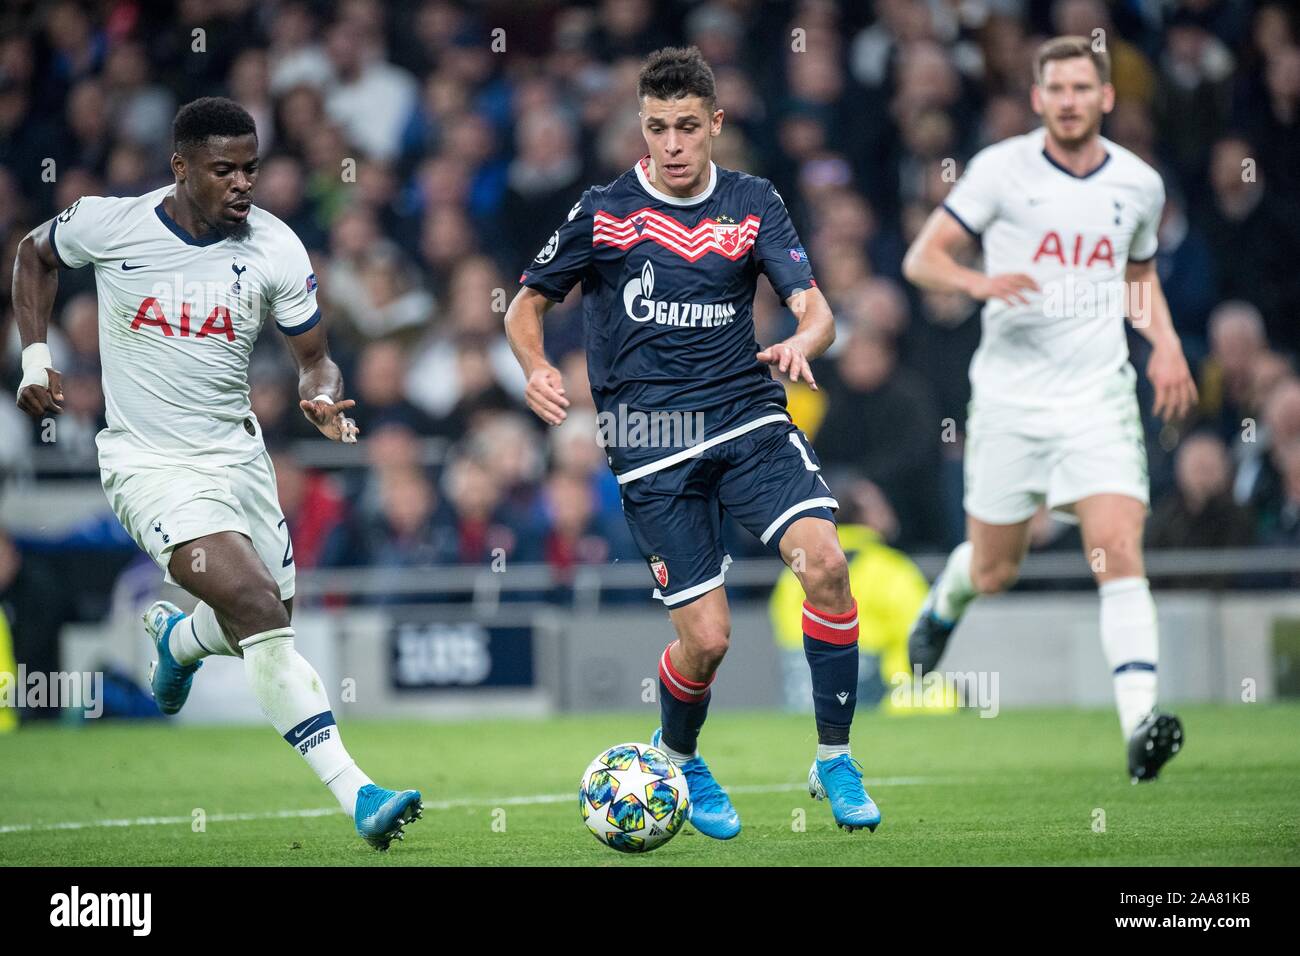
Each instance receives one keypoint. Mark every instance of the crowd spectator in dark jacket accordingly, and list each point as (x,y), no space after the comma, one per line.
(1199,512)
(881,421)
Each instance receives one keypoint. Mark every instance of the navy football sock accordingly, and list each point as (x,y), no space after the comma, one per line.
(683,705)
(830,642)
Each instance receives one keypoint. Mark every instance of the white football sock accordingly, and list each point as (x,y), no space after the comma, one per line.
(291,695)
(199,636)
(1129,639)
(953,590)
(827,751)
(675,756)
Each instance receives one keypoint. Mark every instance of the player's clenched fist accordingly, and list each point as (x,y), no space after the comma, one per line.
(41,389)
(789,360)
(327,415)
(1010,287)
(545,394)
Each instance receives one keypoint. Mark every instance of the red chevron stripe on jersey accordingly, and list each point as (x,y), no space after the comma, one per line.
(731,240)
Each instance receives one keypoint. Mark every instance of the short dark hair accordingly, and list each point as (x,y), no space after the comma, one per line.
(209,116)
(676,72)
(1068,48)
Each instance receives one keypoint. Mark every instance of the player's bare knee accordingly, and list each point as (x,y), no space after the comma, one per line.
(1117,557)
(994,577)
(707,646)
(258,609)
(712,646)
(825,576)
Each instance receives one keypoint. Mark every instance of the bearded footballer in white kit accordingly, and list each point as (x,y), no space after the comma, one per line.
(185,276)
(1068,222)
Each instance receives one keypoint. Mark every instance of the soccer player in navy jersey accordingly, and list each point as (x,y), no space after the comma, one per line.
(692,421)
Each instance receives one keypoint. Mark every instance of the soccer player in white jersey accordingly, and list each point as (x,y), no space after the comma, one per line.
(186,275)
(1068,222)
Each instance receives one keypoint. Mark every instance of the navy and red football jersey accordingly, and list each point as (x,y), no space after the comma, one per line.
(668,290)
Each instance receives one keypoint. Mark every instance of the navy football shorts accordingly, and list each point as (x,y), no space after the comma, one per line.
(765,479)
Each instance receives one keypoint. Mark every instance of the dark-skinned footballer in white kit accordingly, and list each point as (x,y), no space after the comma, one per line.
(185,277)
(1069,222)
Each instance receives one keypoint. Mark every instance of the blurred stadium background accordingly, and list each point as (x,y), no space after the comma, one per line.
(463,559)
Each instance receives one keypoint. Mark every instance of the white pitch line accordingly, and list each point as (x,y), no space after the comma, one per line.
(533,800)
(164,821)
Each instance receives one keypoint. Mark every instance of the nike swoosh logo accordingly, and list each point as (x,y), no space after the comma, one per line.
(306,730)
(127,268)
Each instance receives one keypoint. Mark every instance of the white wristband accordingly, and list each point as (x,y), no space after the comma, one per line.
(36,360)
(322,397)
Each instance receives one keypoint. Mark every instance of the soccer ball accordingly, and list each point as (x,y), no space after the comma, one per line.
(633,798)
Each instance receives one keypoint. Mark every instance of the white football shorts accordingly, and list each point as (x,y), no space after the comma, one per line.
(1019,457)
(164,507)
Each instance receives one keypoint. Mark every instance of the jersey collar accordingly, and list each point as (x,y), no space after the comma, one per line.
(182,233)
(1089,174)
(644,180)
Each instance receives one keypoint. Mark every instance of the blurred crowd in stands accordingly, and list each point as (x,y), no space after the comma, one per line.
(424,151)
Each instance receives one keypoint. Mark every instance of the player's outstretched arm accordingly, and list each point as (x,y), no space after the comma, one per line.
(1167,369)
(931,263)
(36,280)
(814,335)
(545,391)
(320,386)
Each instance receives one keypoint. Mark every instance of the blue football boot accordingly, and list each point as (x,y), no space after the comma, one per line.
(711,810)
(840,781)
(169,680)
(381,814)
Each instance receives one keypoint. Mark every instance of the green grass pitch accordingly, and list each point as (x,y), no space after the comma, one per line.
(1037,787)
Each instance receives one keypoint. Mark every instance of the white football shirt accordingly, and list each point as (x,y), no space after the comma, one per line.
(1073,235)
(178,317)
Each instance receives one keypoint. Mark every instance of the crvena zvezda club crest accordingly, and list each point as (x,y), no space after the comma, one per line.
(659,570)
(728,236)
